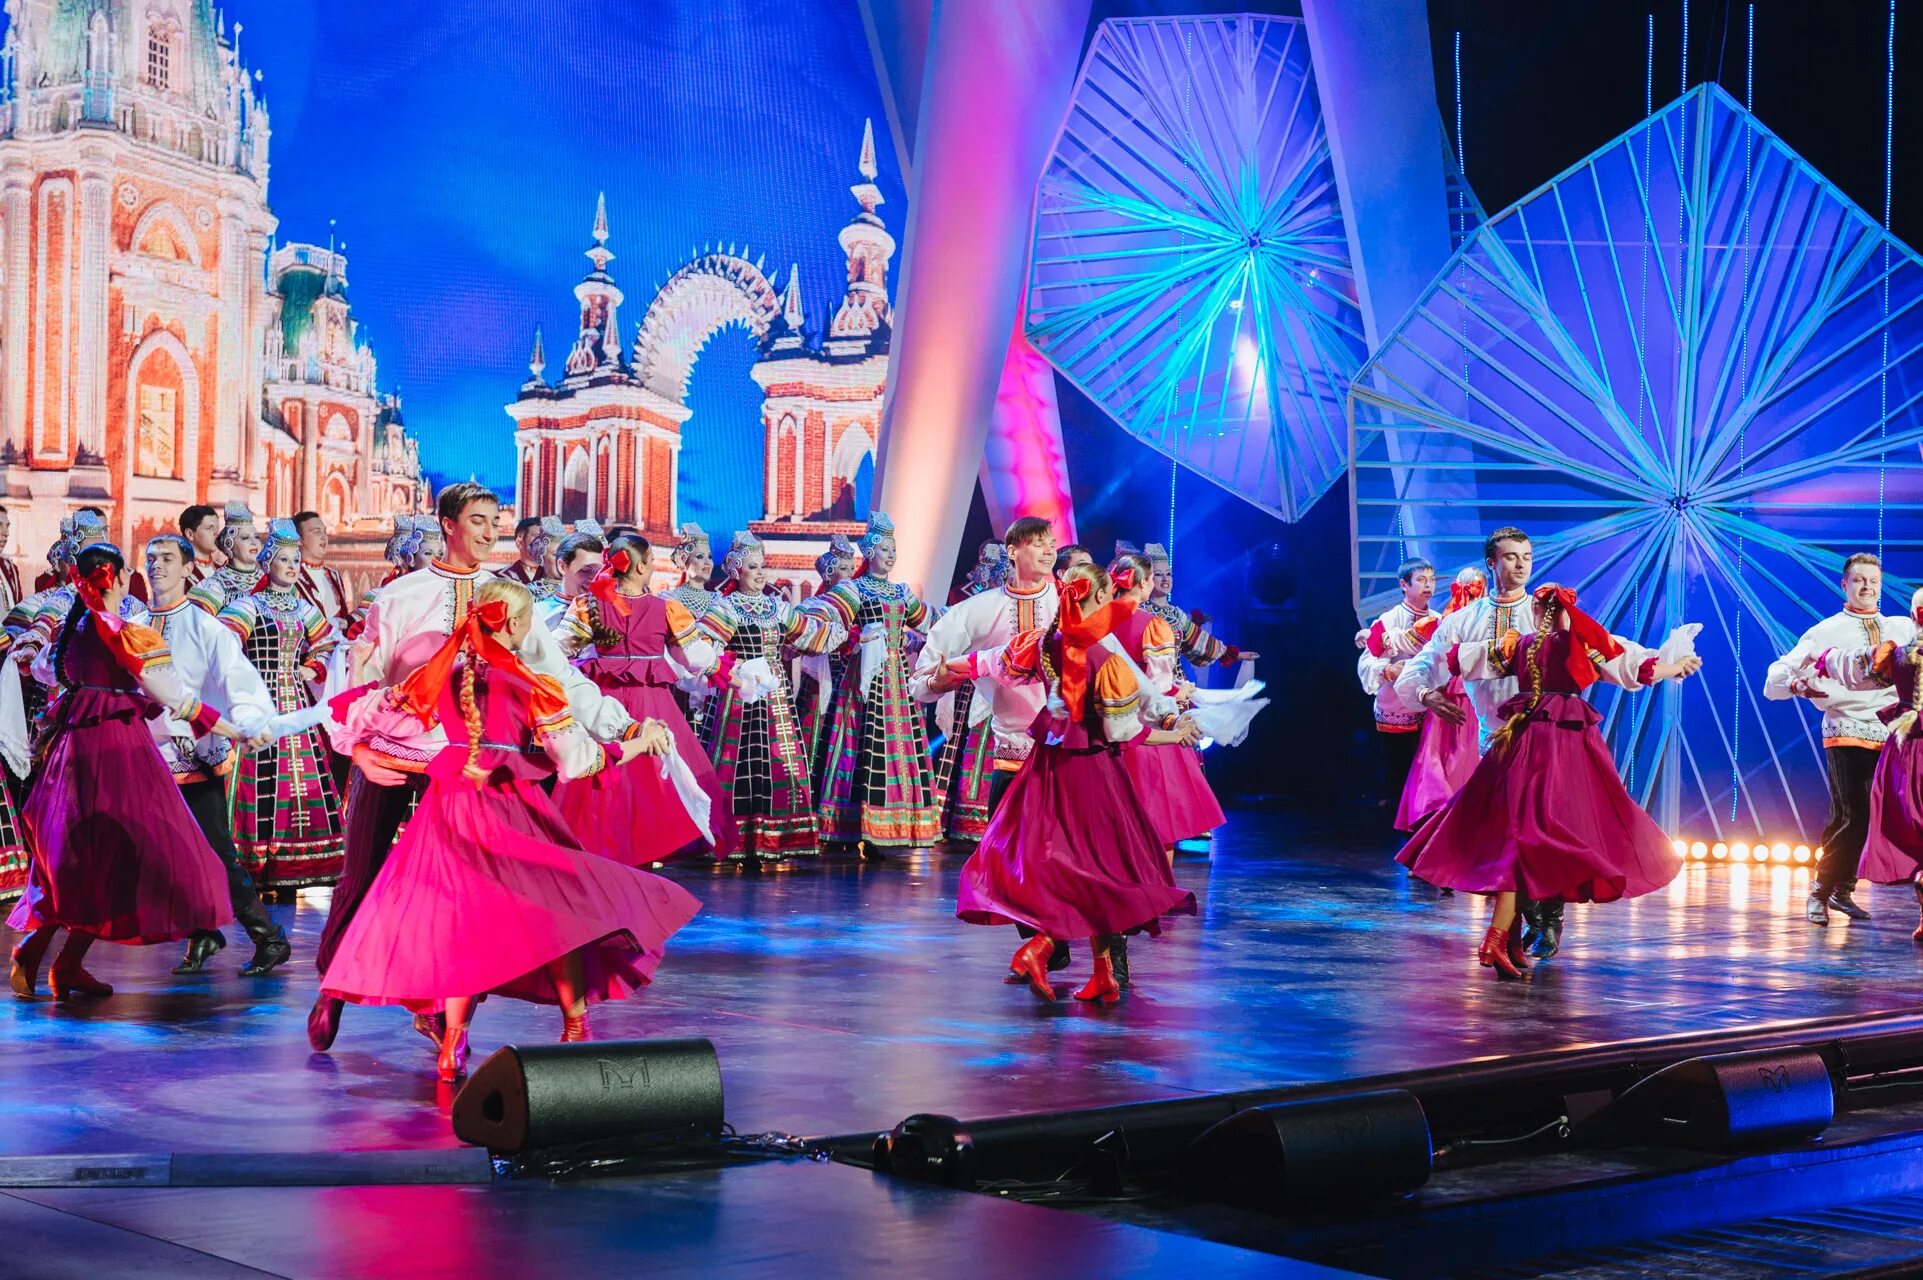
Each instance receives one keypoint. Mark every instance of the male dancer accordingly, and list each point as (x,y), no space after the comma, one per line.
(200,525)
(1024,601)
(319,583)
(407,622)
(1071,555)
(208,659)
(1506,608)
(579,559)
(526,568)
(1852,732)
(1397,636)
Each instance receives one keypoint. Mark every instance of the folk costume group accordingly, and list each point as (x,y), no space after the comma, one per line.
(482,765)
(1498,773)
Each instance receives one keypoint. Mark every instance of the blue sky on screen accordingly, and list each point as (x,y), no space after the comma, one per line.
(459,146)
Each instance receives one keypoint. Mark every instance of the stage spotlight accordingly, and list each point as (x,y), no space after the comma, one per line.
(1802,853)
(1739,851)
(1681,847)
(1720,850)
(1780,852)
(1698,849)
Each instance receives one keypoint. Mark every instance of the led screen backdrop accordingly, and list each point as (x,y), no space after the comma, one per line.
(356,214)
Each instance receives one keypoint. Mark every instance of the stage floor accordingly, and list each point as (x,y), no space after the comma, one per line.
(844,997)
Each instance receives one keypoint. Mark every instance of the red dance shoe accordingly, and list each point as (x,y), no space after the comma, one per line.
(1495,954)
(1102,987)
(453,1060)
(24,976)
(574,1027)
(75,981)
(1031,963)
(1518,954)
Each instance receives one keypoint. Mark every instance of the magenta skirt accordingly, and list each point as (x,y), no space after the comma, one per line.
(1894,848)
(1446,754)
(1545,815)
(1178,799)
(633,817)
(484,889)
(1071,854)
(115,851)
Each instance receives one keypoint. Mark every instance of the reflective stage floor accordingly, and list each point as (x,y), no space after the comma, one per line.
(845,996)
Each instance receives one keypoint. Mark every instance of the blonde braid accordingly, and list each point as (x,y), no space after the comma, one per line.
(471,712)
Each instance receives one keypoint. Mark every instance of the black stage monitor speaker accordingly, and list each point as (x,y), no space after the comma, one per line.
(1296,1155)
(1732,1100)
(537,1097)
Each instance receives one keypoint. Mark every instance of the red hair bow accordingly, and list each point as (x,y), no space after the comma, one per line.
(1077,589)
(421,692)
(1586,635)
(1082,629)
(602,588)
(1124,578)
(92,585)
(1462,593)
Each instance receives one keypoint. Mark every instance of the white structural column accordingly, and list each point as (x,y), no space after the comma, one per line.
(90,309)
(997,78)
(15,218)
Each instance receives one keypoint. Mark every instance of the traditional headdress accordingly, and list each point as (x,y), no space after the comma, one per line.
(840,551)
(398,552)
(744,543)
(88,530)
(879,527)
(691,537)
(588,529)
(236,512)
(1123,547)
(1157,556)
(280,533)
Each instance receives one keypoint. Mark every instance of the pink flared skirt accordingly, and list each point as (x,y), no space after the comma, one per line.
(1894,849)
(631,814)
(485,888)
(1446,754)
(115,851)
(1178,799)
(1545,814)
(1070,853)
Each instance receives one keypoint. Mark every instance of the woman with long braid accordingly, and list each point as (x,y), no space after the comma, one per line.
(116,853)
(1545,814)
(487,890)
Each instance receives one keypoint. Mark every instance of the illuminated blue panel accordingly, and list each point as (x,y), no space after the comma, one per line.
(1190,270)
(1690,368)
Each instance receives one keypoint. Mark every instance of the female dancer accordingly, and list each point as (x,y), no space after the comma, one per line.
(1070,851)
(239,541)
(694,556)
(754,741)
(637,646)
(487,891)
(1168,776)
(287,811)
(875,788)
(1446,753)
(116,854)
(1545,814)
(821,673)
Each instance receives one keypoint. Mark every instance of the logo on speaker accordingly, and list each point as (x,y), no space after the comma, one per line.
(615,1076)
(1775,1079)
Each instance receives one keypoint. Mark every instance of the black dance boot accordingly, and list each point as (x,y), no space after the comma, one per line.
(270,953)
(1118,957)
(1842,899)
(1530,911)
(202,946)
(1548,928)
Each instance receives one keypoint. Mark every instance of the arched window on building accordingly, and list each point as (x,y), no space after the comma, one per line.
(160,57)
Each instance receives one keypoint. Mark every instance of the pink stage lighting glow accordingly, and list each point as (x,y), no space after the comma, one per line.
(1024,470)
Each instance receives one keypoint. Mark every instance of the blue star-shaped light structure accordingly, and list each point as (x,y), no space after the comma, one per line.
(1690,368)
(1190,271)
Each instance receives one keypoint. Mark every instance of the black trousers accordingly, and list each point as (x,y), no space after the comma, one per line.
(207,801)
(375,815)
(1851,771)
(1398,758)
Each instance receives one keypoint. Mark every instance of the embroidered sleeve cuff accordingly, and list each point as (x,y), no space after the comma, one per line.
(204,717)
(1231,656)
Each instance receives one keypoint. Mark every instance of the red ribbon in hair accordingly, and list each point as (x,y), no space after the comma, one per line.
(602,588)
(1462,593)
(420,693)
(1586,634)
(1123,578)
(111,627)
(1082,629)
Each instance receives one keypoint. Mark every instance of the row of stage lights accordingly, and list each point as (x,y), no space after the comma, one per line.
(1737,851)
